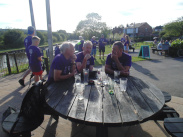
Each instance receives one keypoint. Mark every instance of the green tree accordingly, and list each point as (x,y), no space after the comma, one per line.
(91,26)
(13,38)
(42,37)
(175,28)
(56,34)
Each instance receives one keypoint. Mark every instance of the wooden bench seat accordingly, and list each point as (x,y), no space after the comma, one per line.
(174,126)
(23,126)
(130,47)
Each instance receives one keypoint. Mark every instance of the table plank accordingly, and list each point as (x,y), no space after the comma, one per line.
(110,107)
(157,92)
(125,105)
(58,93)
(142,109)
(79,107)
(63,107)
(94,109)
(152,101)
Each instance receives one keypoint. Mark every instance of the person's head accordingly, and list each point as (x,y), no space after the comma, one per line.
(93,37)
(127,38)
(117,48)
(31,30)
(67,49)
(87,47)
(35,40)
(102,36)
(80,37)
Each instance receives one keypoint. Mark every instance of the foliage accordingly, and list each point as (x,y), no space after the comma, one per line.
(42,36)
(174,28)
(13,38)
(92,26)
(56,34)
(177,44)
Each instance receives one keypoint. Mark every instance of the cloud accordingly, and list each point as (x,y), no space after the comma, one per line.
(3,4)
(125,13)
(180,4)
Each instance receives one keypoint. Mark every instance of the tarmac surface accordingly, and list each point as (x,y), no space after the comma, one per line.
(164,72)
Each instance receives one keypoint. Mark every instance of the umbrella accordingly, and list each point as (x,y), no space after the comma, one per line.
(155,37)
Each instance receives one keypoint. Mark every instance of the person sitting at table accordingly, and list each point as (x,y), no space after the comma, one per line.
(63,65)
(159,47)
(84,59)
(118,60)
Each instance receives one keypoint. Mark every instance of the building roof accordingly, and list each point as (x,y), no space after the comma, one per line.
(137,25)
(159,27)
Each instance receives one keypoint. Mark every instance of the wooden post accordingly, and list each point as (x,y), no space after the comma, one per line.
(8,63)
(16,62)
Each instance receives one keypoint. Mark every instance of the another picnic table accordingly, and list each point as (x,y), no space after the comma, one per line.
(139,103)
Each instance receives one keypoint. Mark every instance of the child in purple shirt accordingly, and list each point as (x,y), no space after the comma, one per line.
(35,59)
(118,60)
(84,60)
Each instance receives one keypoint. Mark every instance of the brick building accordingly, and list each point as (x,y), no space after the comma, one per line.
(138,30)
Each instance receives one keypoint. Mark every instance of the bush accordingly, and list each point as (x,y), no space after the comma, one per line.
(42,36)
(177,44)
(13,39)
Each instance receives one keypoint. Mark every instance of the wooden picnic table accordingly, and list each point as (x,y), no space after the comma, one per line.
(139,103)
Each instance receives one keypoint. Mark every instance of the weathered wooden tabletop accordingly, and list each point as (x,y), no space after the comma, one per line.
(140,101)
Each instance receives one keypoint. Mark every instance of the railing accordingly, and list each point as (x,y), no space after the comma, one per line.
(13,63)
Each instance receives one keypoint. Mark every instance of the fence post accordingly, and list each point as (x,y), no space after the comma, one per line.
(8,63)
(15,62)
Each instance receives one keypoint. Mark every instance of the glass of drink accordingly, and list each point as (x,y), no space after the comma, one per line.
(123,84)
(86,75)
(116,75)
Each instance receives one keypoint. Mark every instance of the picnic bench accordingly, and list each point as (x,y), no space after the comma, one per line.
(139,103)
(133,48)
(165,48)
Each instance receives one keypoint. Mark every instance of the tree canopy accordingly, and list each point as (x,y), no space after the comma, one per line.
(174,28)
(91,26)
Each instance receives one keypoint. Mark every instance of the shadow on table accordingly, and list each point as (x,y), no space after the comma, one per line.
(144,71)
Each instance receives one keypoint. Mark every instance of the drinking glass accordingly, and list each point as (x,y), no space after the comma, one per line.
(123,84)
(116,75)
(86,75)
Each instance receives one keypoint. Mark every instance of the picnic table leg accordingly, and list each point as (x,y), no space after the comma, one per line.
(101,131)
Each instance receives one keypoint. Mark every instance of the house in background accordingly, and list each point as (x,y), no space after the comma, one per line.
(157,30)
(138,30)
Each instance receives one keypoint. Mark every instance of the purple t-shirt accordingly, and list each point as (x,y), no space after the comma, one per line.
(59,63)
(125,60)
(80,58)
(122,39)
(94,42)
(126,42)
(34,54)
(27,43)
(102,40)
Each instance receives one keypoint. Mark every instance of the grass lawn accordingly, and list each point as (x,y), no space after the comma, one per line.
(108,49)
(139,44)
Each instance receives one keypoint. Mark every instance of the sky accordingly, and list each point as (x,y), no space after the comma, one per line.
(66,14)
